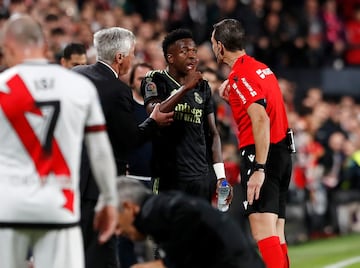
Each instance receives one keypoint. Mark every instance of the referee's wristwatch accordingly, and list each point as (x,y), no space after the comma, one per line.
(259,167)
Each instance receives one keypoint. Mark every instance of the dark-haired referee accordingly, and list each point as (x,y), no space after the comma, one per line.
(254,95)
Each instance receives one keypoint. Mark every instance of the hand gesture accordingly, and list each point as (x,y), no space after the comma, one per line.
(162,119)
(254,185)
(192,79)
(105,222)
(224,90)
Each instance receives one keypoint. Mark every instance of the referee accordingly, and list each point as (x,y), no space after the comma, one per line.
(255,98)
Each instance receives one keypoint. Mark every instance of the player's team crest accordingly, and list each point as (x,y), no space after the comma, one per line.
(198,98)
(150,89)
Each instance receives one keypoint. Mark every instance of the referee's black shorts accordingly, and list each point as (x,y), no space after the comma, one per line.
(274,191)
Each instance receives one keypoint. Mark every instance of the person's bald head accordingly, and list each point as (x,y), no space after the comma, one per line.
(23,39)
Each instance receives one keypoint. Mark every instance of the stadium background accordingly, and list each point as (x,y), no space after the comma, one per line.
(312,45)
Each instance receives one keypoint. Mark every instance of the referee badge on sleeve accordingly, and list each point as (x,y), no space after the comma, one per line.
(150,89)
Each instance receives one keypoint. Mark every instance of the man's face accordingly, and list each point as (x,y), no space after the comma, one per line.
(139,75)
(216,48)
(183,55)
(126,219)
(75,59)
(127,61)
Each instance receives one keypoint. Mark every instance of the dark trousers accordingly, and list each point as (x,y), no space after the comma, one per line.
(96,255)
(126,252)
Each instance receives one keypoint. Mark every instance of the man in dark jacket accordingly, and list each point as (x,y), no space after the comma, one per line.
(115,50)
(188,230)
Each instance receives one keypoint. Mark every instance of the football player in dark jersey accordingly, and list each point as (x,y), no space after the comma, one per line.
(180,159)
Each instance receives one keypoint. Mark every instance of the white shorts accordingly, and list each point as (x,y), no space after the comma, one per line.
(51,248)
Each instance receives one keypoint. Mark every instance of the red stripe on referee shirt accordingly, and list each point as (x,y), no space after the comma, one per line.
(15,105)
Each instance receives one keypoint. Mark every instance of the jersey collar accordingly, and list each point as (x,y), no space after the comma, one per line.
(171,78)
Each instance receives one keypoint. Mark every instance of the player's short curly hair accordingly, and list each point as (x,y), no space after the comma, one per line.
(174,36)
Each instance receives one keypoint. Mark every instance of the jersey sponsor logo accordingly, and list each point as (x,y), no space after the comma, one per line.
(184,112)
(263,72)
(247,85)
(150,89)
(241,96)
(198,98)
(40,144)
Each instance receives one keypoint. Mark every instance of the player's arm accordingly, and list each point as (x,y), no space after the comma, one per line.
(103,167)
(261,131)
(168,105)
(104,170)
(216,142)
(260,123)
(218,163)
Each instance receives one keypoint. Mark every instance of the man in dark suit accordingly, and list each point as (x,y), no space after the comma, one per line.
(115,50)
(190,232)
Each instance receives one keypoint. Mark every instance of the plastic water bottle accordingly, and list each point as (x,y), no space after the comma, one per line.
(223,193)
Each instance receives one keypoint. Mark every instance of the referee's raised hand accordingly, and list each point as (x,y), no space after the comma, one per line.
(224,90)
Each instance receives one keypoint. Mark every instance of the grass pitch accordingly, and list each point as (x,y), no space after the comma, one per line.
(327,253)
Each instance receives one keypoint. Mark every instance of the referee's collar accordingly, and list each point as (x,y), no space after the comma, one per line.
(240,59)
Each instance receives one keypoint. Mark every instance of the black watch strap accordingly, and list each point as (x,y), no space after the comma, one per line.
(259,167)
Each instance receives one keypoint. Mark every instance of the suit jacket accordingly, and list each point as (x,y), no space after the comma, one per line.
(124,133)
(193,234)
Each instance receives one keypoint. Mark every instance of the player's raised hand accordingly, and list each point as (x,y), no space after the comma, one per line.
(192,79)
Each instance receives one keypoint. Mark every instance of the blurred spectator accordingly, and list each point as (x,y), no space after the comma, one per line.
(222,9)
(325,122)
(332,162)
(334,34)
(288,91)
(314,96)
(139,159)
(352,29)
(333,159)
(270,46)
(225,122)
(74,54)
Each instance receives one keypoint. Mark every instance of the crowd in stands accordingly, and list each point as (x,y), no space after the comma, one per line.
(282,34)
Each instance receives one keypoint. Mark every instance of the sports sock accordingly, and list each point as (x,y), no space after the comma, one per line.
(285,251)
(271,252)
